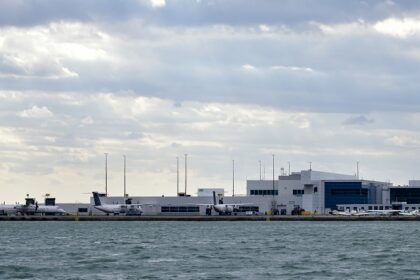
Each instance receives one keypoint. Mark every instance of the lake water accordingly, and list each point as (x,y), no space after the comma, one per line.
(210,250)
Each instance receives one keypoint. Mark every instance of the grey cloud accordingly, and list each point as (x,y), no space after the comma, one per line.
(171,81)
(236,12)
(358,120)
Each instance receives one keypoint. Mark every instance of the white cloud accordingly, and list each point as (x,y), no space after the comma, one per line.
(292,68)
(396,27)
(264,28)
(248,67)
(36,113)
(87,120)
(158,3)
(9,136)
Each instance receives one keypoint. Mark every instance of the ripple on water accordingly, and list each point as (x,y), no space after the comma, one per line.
(187,250)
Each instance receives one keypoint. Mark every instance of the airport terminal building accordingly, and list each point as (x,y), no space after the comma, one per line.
(312,191)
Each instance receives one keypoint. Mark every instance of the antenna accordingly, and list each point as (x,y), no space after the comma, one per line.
(310,165)
(233,177)
(273,203)
(125,190)
(289,166)
(106,174)
(260,169)
(264,173)
(357,168)
(185,175)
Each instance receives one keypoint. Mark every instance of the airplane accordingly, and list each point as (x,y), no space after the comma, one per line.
(388,212)
(117,209)
(349,213)
(8,209)
(30,208)
(221,208)
(410,213)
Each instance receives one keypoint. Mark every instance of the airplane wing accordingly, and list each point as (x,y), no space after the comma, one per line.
(239,204)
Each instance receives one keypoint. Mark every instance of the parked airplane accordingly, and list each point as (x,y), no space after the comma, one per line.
(8,208)
(387,212)
(30,208)
(221,208)
(349,213)
(117,209)
(410,213)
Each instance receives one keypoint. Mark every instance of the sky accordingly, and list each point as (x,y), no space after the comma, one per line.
(327,82)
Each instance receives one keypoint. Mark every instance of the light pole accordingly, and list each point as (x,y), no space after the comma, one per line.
(185,192)
(106,174)
(125,190)
(177,176)
(233,177)
(273,205)
(273,176)
(357,168)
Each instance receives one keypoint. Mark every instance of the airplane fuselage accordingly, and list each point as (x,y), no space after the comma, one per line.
(31,209)
(117,209)
(224,208)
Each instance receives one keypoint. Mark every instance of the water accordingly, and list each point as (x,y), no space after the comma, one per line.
(210,250)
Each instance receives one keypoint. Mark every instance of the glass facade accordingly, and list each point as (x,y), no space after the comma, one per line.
(264,192)
(248,208)
(178,209)
(298,192)
(409,195)
(344,193)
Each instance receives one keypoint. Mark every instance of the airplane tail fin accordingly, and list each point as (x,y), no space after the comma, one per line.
(96,199)
(214,198)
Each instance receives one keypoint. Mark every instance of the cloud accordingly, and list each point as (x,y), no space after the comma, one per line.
(158,3)
(36,113)
(248,67)
(401,28)
(358,120)
(329,82)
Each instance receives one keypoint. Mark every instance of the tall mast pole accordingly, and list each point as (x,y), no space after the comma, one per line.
(233,177)
(106,174)
(260,169)
(177,176)
(357,165)
(185,193)
(273,176)
(125,190)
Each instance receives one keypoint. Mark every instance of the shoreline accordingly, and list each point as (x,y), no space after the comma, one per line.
(208,218)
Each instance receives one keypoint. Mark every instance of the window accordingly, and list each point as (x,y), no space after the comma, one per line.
(176,209)
(315,189)
(82,210)
(248,208)
(264,192)
(298,192)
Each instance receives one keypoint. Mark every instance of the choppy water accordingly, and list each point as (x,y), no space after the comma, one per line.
(210,250)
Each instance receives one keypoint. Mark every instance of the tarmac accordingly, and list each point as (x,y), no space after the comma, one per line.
(103,218)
